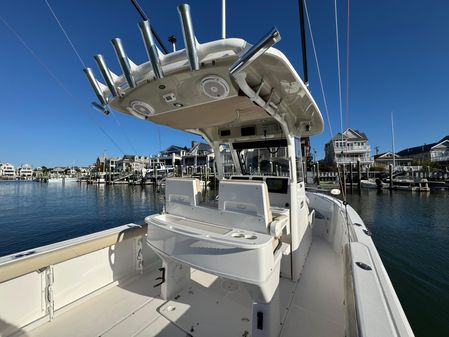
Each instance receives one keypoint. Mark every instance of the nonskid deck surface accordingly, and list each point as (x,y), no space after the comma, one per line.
(317,305)
(210,306)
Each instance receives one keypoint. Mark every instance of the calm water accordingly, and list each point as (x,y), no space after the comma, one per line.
(34,214)
(411,232)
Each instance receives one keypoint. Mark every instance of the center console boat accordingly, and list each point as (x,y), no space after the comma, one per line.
(265,258)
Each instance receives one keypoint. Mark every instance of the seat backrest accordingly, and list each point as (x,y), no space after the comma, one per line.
(249,198)
(181,194)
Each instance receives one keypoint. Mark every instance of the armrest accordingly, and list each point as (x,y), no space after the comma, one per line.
(278,225)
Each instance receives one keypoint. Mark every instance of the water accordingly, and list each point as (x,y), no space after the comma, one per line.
(411,232)
(34,214)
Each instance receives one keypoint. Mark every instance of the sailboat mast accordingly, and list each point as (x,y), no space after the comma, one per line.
(392,141)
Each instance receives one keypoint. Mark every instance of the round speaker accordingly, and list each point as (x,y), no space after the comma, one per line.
(215,87)
(142,108)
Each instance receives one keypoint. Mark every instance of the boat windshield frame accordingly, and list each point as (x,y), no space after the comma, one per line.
(274,155)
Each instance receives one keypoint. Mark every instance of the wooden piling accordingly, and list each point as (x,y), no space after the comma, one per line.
(350,176)
(359,174)
(390,173)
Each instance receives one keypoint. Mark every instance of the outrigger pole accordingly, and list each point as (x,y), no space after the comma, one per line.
(303,41)
(145,18)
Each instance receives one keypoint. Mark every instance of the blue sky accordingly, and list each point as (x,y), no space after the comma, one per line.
(399,61)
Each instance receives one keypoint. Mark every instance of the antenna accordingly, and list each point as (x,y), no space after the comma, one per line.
(172,40)
(223,19)
(392,140)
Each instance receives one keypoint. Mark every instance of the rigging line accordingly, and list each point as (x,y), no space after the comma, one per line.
(347,65)
(35,56)
(65,33)
(318,68)
(54,77)
(83,64)
(338,65)
(159,137)
(123,131)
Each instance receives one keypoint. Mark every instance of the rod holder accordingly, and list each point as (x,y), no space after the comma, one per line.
(189,36)
(250,55)
(106,73)
(95,85)
(151,48)
(124,61)
(100,108)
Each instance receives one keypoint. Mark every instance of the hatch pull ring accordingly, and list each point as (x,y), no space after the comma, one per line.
(162,278)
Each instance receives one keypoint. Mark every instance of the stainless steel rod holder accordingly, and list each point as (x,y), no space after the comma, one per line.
(151,48)
(189,36)
(124,61)
(255,51)
(106,74)
(95,85)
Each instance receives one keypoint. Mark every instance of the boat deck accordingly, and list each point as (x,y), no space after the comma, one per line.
(210,306)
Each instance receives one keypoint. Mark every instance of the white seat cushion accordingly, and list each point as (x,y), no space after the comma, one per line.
(181,192)
(246,197)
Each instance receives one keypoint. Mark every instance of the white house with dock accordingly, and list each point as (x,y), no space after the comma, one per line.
(440,151)
(434,152)
(347,148)
(7,171)
(25,171)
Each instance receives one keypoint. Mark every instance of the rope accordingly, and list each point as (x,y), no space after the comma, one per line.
(318,69)
(55,78)
(347,66)
(123,131)
(338,65)
(66,35)
(84,66)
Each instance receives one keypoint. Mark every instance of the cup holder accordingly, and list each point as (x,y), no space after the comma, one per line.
(239,235)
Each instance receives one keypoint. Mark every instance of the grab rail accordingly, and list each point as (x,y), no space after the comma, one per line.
(16,265)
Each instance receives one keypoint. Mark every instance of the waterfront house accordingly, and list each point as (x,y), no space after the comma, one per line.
(440,151)
(57,172)
(25,171)
(200,154)
(170,157)
(7,171)
(435,152)
(132,163)
(106,164)
(386,158)
(174,149)
(348,148)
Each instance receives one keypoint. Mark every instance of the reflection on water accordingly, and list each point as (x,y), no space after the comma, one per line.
(34,214)
(411,232)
